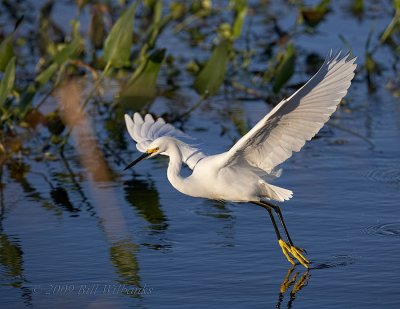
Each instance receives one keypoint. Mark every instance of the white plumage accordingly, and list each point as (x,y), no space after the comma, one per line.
(243,173)
(144,132)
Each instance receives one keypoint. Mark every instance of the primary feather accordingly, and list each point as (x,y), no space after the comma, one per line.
(297,119)
(243,173)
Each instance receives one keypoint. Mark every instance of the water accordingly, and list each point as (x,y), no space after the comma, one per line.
(131,240)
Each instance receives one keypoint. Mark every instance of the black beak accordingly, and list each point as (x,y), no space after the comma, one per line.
(142,157)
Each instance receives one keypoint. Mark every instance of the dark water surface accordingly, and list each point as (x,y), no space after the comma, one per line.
(136,242)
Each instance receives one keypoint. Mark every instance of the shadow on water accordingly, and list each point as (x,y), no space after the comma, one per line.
(12,266)
(18,172)
(294,280)
(217,210)
(11,259)
(123,256)
(143,196)
(79,188)
(122,249)
(76,186)
(60,196)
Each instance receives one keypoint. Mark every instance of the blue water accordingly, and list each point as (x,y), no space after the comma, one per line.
(133,241)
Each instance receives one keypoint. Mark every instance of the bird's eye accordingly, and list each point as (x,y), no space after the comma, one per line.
(153,150)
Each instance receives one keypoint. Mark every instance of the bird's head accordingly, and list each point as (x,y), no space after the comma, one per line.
(158,146)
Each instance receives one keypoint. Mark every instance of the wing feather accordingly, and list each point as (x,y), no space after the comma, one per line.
(155,127)
(295,120)
(145,131)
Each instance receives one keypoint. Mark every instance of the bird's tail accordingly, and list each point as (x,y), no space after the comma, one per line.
(275,193)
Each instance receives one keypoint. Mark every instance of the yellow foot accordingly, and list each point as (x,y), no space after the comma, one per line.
(292,251)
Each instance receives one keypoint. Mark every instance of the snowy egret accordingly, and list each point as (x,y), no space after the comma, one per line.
(243,173)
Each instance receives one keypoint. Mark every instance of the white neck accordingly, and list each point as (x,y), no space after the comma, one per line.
(174,168)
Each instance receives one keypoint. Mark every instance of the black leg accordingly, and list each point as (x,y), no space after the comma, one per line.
(278,234)
(287,249)
(279,213)
(269,208)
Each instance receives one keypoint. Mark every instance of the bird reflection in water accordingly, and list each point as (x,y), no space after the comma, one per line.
(292,279)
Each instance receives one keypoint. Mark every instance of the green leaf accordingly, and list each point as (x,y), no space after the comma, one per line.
(7,83)
(370,64)
(285,69)
(212,75)
(391,28)
(117,46)
(67,52)
(357,7)
(141,88)
(6,52)
(26,100)
(76,25)
(372,68)
(46,74)
(314,15)
(157,7)
(323,6)
(240,7)
(97,27)
(396,4)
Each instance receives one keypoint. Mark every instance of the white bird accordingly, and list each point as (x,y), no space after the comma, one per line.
(243,173)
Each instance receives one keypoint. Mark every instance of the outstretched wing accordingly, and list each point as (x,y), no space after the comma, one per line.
(144,131)
(296,119)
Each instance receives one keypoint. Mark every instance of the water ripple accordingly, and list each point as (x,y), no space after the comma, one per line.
(385,175)
(337,261)
(385,229)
